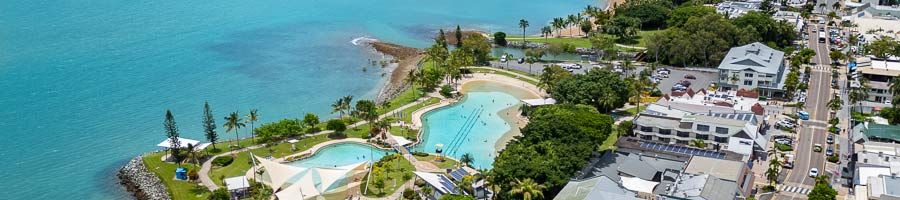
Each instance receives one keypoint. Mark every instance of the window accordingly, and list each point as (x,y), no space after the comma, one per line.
(665,131)
(748,82)
(701,127)
(721,139)
(721,130)
(748,75)
(702,137)
(684,134)
(681,142)
(647,129)
(646,137)
(665,140)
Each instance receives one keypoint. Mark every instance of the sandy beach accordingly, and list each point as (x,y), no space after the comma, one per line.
(492,83)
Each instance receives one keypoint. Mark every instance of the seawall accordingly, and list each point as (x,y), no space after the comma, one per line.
(142,183)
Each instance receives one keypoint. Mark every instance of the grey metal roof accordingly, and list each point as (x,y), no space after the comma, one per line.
(638,168)
(756,57)
(716,188)
(892,186)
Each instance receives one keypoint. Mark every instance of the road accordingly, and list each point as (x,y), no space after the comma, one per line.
(814,131)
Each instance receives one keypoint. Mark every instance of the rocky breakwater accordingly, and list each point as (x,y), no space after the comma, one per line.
(145,185)
(407,60)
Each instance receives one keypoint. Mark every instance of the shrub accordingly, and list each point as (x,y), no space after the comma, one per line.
(419,153)
(768,188)
(446,91)
(193,175)
(223,161)
(408,193)
(500,38)
(783,147)
(278,130)
(220,194)
(833,159)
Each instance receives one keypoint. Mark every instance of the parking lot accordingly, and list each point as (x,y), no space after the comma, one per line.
(702,78)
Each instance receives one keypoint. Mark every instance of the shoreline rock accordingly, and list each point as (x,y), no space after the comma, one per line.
(140,182)
(407,60)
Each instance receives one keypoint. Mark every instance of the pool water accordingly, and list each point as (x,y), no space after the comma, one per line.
(341,154)
(470,126)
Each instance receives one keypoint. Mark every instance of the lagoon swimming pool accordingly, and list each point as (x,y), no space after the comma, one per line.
(470,126)
(340,154)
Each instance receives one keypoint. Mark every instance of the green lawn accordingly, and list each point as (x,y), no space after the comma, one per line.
(407,113)
(634,110)
(640,40)
(404,132)
(395,168)
(446,164)
(504,73)
(240,165)
(610,142)
(407,96)
(578,42)
(361,131)
(178,189)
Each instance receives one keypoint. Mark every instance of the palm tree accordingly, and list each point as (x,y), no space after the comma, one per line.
(411,78)
(546,31)
(466,159)
(346,103)
(734,79)
(252,117)
(234,122)
(338,106)
(835,103)
(860,93)
(895,90)
(191,155)
(527,188)
(571,20)
(772,172)
(523,24)
(558,23)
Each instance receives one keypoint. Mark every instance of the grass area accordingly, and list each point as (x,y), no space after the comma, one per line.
(407,113)
(634,110)
(640,40)
(178,189)
(404,132)
(393,169)
(578,42)
(407,96)
(505,73)
(446,164)
(610,142)
(361,131)
(241,163)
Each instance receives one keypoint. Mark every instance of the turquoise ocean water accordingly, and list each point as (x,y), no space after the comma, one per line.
(84,84)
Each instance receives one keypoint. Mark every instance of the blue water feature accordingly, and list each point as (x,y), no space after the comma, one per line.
(471,126)
(85,84)
(341,154)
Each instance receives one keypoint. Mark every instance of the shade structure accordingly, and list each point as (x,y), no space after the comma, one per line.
(638,184)
(401,140)
(182,142)
(305,183)
(236,183)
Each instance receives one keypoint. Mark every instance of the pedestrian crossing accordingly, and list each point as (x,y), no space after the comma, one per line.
(821,68)
(793,189)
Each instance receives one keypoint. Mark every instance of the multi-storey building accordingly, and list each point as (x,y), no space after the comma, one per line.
(753,66)
(879,73)
(719,127)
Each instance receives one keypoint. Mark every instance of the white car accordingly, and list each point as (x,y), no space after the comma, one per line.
(503,58)
(813,172)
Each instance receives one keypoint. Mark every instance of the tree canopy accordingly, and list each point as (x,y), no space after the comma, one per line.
(599,88)
(554,145)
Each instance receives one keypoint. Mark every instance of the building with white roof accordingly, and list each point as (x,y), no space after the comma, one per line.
(734,9)
(681,123)
(755,66)
(440,184)
(880,73)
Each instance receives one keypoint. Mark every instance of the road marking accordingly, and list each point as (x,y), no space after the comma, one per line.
(794,189)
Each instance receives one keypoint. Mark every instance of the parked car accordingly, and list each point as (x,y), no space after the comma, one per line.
(814,172)
(521,60)
(784,124)
(829,151)
(503,58)
(788,161)
(690,76)
(830,139)
(784,141)
(817,148)
(686,83)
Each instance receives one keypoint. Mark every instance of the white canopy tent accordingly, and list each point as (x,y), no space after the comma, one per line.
(539,102)
(306,183)
(237,183)
(401,140)
(182,142)
(638,184)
